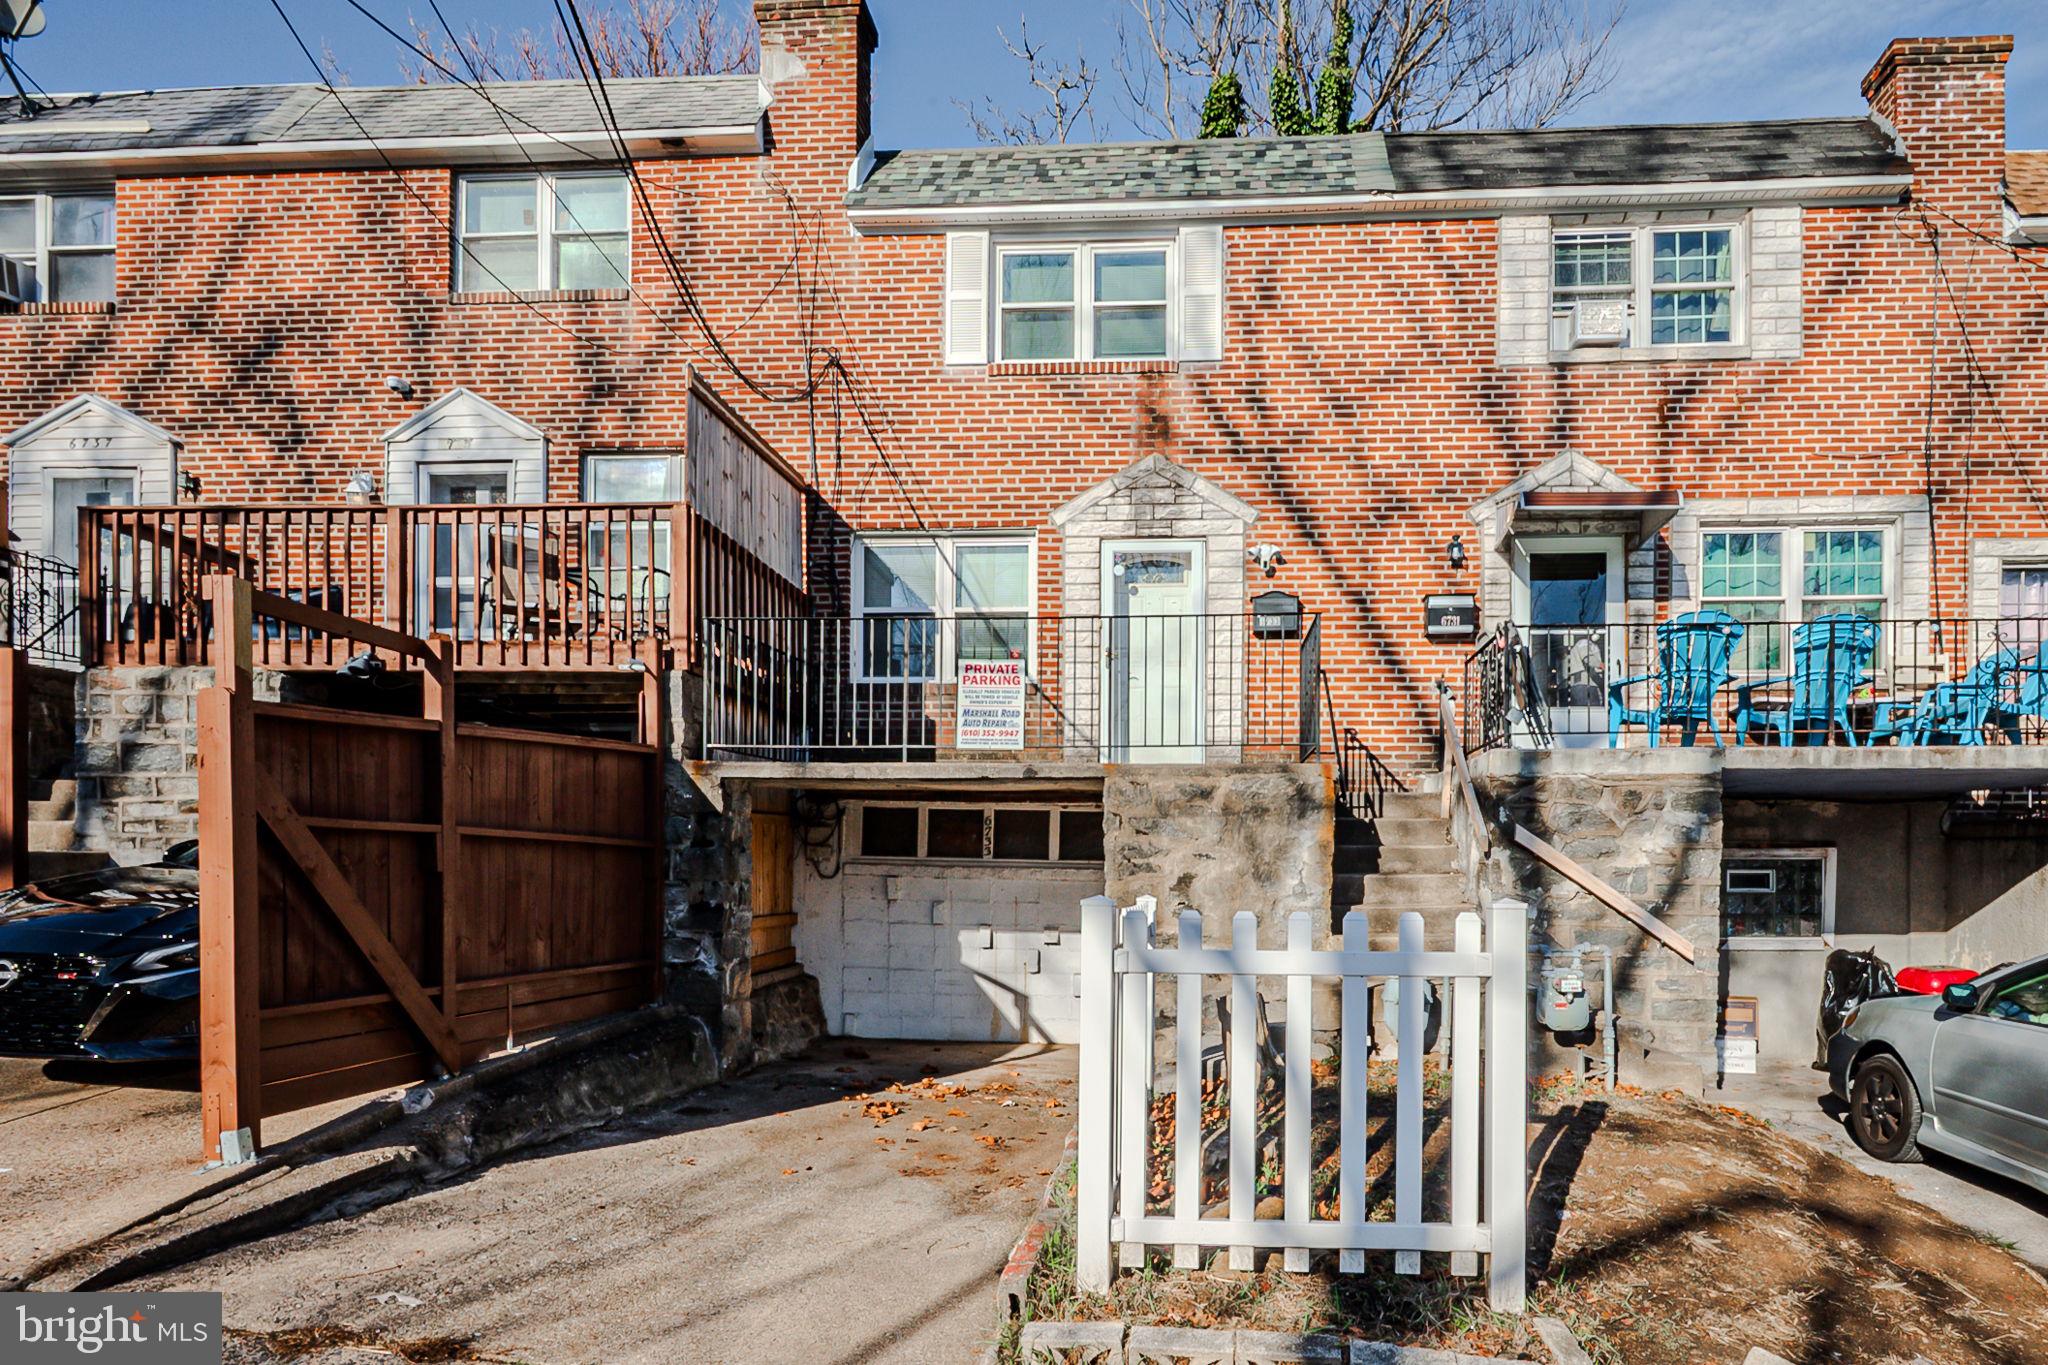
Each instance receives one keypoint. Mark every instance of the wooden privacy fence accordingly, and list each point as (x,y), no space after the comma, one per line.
(1123,1198)
(383,897)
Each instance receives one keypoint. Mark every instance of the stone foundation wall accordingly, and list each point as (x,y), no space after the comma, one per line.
(1652,829)
(137,758)
(707,907)
(1220,840)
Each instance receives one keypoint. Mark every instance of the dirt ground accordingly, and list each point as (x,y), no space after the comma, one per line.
(855,1205)
(1665,1232)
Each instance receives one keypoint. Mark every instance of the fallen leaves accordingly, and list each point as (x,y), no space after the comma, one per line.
(922,1124)
(881,1111)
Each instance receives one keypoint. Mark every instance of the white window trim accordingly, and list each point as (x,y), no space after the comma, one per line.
(1052,811)
(543,236)
(46,246)
(671,482)
(945,609)
(1642,290)
(1084,295)
(1793,568)
(1827,899)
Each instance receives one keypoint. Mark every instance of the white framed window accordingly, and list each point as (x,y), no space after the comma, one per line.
(1777,576)
(1778,897)
(62,245)
(964,832)
(2023,605)
(553,230)
(923,604)
(1658,285)
(630,559)
(1084,301)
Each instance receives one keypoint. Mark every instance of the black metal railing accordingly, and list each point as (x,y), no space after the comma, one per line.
(1363,780)
(1188,688)
(39,608)
(1501,689)
(1842,678)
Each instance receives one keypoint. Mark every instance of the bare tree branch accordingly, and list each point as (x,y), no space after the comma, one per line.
(1420,64)
(637,38)
(1067,93)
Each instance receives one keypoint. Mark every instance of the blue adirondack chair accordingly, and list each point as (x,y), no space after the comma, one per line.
(1830,659)
(2024,696)
(1951,712)
(1693,653)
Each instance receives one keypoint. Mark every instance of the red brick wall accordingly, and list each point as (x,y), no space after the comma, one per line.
(1358,407)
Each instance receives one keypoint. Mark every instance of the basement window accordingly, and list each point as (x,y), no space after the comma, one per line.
(1778,898)
(960,832)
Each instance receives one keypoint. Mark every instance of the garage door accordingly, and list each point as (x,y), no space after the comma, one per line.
(951,920)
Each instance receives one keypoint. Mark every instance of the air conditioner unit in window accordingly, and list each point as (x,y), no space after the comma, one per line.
(1600,322)
(13,284)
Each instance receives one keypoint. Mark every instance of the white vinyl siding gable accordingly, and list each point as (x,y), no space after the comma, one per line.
(86,438)
(464,429)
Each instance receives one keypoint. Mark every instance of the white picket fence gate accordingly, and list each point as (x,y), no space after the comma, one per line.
(1489,1099)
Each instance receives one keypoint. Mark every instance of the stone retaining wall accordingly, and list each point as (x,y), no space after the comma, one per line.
(1652,829)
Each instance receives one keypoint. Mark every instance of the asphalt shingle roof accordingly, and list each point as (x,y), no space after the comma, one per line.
(249,114)
(1126,170)
(2026,183)
(1421,162)
(1649,154)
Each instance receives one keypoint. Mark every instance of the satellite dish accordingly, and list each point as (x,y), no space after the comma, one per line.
(21,18)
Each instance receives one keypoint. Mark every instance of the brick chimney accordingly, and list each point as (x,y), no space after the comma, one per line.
(1945,99)
(817,61)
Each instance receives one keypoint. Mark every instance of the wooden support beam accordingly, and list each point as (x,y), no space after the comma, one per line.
(14,767)
(1586,880)
(328,880)
(272,607)
(439,704)
(230,1041)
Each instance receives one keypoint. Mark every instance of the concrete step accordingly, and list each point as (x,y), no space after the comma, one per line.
(1424,891)
(1364,858)
(1397,833)
(1411,806)
(53,799)
(42,865)
(51,836)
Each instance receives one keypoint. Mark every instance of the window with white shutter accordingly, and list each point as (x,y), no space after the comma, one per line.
(967,298)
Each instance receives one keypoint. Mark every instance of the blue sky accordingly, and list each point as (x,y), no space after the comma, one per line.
(1675,59)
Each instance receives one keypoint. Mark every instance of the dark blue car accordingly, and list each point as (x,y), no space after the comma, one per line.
(104,964)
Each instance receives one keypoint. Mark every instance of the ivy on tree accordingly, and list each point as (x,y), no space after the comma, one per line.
(1223,111)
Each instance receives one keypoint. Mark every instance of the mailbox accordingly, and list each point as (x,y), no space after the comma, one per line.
(1450,616)
(1276,615)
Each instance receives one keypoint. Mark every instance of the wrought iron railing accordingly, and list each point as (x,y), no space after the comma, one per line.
(1845,679)
(1159,689)
(1363,780)
(39,608)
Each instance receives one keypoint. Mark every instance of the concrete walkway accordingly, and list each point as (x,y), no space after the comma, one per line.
(771,1218)
(1795,1098)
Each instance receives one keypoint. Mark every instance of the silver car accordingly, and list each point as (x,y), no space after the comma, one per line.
(1964,1073)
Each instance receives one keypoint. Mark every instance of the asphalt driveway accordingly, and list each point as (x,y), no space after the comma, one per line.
(87,1148)
(806,1211)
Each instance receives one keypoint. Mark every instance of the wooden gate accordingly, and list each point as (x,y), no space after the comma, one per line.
(383,897)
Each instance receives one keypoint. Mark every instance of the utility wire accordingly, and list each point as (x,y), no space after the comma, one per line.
(417,197)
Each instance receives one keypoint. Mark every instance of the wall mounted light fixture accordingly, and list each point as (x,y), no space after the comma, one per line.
(361,489)
(1455,552)
(1267,557)
(399,385)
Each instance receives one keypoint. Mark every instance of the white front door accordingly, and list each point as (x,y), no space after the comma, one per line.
(1569,607)
(451,599)
(1155,643)
(70,492)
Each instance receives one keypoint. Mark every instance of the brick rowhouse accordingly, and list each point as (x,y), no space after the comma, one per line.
(1360,404)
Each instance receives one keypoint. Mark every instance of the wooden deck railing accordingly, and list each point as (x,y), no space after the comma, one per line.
(533,586)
